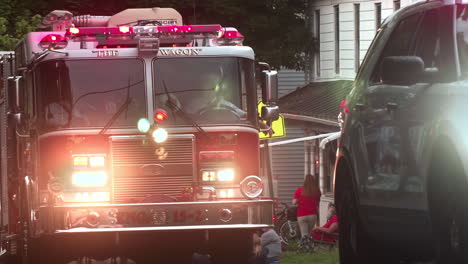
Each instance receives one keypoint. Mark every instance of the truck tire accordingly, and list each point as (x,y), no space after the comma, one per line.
(353,242)
(234,246)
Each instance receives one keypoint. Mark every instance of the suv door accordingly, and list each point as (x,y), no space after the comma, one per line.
(379,142)
(393,119)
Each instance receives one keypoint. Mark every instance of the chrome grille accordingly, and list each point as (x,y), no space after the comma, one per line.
(142,168)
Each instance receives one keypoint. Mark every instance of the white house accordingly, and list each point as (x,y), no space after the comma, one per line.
(345,30)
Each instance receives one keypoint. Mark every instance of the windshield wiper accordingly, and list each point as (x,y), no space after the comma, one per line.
(41,55)
(175,108)
(122,108)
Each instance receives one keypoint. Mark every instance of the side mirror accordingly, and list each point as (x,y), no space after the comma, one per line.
(402,70)
(270,87)
(15,96)
(270,113)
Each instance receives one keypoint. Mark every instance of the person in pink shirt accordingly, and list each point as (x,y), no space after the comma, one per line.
(307,197)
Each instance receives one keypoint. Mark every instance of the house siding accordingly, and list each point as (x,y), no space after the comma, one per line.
(288,165)
(289,81)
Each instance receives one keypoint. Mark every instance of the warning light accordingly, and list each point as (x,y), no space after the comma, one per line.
(74,30)
(124,29)
(160,135)
(160,116)
(144,125)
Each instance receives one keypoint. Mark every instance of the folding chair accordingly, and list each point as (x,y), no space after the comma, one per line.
(323,243)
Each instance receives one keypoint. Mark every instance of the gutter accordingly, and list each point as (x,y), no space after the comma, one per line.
(322,145)
(310,119)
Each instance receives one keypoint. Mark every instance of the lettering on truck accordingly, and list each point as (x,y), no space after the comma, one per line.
(179,52)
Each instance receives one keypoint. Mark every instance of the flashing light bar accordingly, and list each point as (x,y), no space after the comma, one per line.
(231,37)
(125,30)
(93,31)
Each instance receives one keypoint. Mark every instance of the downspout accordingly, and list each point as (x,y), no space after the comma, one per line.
(322,145)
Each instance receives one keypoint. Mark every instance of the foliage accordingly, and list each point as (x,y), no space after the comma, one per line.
(275,29)
(322,256)
(16,19)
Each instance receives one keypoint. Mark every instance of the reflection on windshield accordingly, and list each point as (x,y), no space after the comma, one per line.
(208,90)
(87,93)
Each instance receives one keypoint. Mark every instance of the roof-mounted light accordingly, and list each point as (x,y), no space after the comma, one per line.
(190,29)
(124,29)
(95,31)
(73,31)
(53,41)
(231,37)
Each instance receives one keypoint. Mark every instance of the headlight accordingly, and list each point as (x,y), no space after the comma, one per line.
(226,175)
(223,175)
(89,161)
(89,178)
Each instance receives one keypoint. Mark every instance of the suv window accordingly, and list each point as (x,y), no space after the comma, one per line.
(462,37)
(428,41)
(399,43)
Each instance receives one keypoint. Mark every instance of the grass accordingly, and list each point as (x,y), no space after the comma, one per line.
(320,256)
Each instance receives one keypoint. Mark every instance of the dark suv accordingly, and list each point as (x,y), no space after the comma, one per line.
(401,183)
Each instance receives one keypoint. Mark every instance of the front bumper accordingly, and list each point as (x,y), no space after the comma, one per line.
(157,216)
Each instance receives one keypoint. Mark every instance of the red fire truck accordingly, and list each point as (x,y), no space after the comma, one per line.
(132,133)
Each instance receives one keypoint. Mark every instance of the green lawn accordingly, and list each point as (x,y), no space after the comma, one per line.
(321,256)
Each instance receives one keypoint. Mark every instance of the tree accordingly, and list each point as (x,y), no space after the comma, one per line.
(16,19)
(275,29)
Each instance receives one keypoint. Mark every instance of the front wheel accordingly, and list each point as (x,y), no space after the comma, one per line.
(288,232)
(354,243)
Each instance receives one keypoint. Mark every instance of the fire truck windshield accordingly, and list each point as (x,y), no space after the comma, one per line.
(87,93)
(212,90)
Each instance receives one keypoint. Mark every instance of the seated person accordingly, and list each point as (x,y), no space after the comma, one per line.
(270,246)
(325,232)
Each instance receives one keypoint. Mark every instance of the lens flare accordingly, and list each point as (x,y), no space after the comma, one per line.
(160,135)
(144,125)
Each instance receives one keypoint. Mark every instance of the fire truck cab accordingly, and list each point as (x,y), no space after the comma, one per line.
(132,133)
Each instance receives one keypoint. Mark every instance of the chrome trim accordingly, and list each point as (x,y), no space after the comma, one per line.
(89,206)
(149,89)
(95,131)
(230,128)
(161,228)
(158,216)
(85,132)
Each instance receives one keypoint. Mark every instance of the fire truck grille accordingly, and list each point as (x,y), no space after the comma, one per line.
(142,169)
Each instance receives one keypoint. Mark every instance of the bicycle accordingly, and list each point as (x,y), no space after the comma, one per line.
(286,224)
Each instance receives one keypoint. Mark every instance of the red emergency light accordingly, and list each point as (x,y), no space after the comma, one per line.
(160,115)
(189,29)
(94,31)
(53,41)
(231,37)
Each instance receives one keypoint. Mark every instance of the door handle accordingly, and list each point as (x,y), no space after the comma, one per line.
(391,106)
(359,106)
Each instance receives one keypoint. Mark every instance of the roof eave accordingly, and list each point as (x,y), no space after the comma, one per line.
(310,119)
